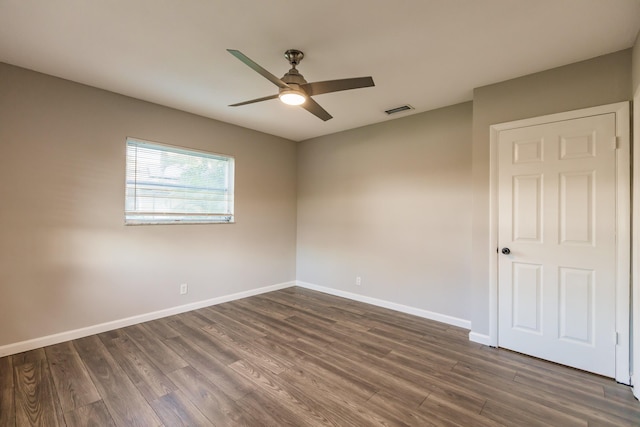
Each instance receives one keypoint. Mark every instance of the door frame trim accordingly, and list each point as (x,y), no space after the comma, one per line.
(635,262)
(623,223)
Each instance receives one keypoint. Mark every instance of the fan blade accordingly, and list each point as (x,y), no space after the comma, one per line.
(266,98)
(257,68)
(314,108)
(317,88)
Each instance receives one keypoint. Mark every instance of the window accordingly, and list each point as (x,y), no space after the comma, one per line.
(172,185)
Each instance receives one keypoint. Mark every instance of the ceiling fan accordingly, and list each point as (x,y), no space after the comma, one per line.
(294,89)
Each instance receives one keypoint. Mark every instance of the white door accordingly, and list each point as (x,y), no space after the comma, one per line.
(557,221)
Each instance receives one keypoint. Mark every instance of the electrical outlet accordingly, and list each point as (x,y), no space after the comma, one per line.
(358,281)
(184,288)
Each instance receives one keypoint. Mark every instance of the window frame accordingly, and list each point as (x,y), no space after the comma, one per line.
(136,217)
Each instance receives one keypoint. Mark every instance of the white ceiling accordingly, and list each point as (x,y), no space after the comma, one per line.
(427,53)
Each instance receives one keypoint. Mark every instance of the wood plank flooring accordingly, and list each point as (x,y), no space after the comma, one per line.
(295,357)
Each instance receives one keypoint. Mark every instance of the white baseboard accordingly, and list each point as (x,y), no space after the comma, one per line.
(450,320)
(479,338)
(32,344)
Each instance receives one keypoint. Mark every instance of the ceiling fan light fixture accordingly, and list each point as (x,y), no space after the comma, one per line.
(292,97)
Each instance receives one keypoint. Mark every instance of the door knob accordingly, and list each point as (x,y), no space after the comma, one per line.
(506,251)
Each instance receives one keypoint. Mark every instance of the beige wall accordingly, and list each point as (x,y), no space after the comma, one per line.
(599,81)
(391,203)
(66,259)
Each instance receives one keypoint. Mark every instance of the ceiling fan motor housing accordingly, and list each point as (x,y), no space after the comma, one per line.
(294,79)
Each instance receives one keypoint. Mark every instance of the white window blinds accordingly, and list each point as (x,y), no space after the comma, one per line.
(168,185)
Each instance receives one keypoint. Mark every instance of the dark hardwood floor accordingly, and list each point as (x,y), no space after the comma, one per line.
(299,358)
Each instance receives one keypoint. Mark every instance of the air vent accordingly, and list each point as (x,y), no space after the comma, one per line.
(399,109)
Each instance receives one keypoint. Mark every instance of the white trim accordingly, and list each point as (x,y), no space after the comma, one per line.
(623,249)
(621,110)
(450,320)
(635,263)
(32,344)
(479,338)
